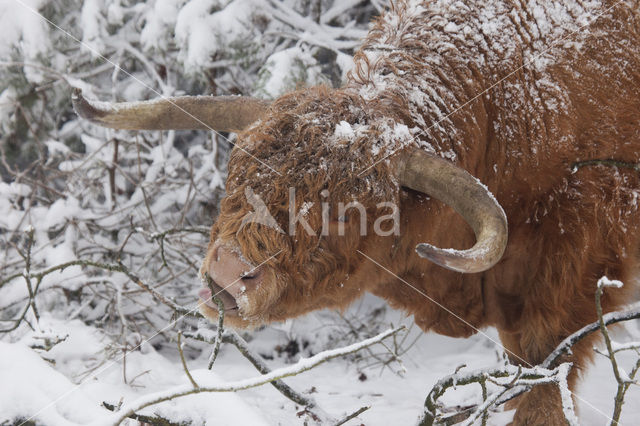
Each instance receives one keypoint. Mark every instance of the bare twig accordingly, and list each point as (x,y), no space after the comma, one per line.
(109,267)
(27,273)
(230,336)
(607,319)
(522,379)
(353,415)
(605,162)
(184,362)
(218,302)
(32,290)
(161,236)
(622,383)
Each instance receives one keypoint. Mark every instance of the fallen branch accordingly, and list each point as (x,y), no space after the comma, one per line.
(352,415)
(230,336)
(153,421)
(301,366)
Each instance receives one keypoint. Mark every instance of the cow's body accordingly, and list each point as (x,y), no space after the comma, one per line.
(525,138)
(555,99)
(539,104)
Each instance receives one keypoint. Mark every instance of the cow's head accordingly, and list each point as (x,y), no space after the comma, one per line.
(312,178)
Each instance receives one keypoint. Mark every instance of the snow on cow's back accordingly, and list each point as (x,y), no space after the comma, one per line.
(516,70)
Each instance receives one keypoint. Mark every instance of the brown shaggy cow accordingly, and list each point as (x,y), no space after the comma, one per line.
(539,100)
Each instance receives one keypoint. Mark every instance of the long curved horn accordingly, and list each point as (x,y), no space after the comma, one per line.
(455,187)
(222,113)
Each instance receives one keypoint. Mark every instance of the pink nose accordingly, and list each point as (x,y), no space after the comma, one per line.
(233,276)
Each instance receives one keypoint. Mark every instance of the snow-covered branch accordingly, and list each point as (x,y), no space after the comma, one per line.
(505,379)
(510,381)
(230,336)
(607,319)
(301,366)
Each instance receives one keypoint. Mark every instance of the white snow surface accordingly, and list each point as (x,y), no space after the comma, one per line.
(70,390)
(73,391)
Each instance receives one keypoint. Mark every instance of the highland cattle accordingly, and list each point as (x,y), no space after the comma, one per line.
(507,132)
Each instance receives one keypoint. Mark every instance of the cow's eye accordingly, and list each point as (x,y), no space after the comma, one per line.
(248,276)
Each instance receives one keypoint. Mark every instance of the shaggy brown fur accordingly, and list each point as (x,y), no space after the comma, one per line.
(575,96)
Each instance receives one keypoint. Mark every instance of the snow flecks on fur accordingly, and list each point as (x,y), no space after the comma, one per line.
(397,136)
(448,37)
(392,137)
(345,132)
(238,252)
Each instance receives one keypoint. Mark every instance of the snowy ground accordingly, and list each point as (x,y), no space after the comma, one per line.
(33,385)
